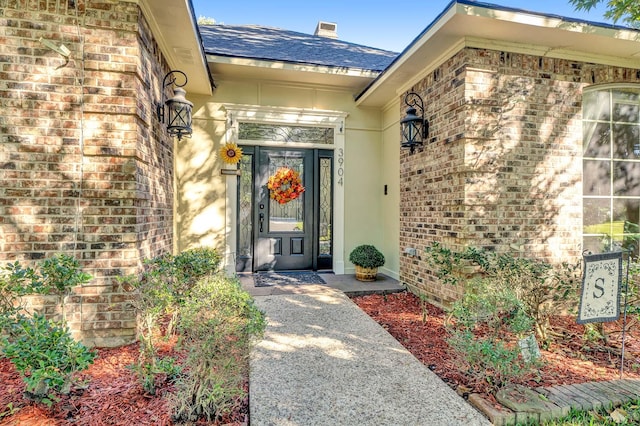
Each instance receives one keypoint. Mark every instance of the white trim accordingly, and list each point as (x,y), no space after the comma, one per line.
(299,116)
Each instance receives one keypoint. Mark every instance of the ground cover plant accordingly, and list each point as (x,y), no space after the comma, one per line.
(189,366)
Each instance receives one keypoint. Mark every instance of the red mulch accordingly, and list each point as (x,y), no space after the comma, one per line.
(113,396)
(569,360)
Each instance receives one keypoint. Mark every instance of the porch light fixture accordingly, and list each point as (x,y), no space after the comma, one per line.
(178,108)
(414,128)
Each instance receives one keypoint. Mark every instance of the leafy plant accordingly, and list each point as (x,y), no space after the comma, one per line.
(160,291)
(540,287)
(46,356)
(218,322)
(485,324)
(43,351)
(366,256)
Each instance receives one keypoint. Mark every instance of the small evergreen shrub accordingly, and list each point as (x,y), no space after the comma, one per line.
(46,356)
(366,256)
(42,350)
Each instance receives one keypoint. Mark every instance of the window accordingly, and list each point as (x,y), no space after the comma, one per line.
(611,169)
(285,133)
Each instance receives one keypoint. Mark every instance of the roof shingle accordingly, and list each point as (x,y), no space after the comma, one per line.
(274,44)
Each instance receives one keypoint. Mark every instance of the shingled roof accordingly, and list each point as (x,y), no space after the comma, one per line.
(274,44)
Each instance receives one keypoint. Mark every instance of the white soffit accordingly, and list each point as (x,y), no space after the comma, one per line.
(224,67)
(176,33)
(513,30)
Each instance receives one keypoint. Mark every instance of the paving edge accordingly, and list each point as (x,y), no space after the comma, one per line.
(575,394)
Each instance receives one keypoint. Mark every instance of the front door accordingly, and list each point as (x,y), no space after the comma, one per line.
(284,224)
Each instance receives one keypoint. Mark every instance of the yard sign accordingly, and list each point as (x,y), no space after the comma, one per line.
(600,298)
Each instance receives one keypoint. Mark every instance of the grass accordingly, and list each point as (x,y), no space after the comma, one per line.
(627,414)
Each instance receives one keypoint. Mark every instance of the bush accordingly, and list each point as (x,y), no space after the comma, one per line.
(540,287)
(42,350)
(366,256)
(160,291)
(485,325)
(46,356)
(218,322)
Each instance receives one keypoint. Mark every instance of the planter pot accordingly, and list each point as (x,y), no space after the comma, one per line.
(366,274)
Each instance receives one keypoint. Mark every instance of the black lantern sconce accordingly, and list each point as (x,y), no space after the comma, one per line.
(178,108)
(414,128)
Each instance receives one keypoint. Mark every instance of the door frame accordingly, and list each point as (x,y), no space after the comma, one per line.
(236,113)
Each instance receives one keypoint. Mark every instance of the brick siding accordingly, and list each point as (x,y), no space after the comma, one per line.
(85,167)
(502,168)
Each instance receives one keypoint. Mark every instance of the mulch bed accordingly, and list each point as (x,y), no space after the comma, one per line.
(113,396)
(569,360)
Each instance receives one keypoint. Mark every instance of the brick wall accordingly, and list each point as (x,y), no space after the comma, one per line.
(85,167)
(502,168)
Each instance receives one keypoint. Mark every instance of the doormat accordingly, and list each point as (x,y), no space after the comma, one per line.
(269,279)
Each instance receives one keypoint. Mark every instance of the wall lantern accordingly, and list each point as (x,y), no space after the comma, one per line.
(178,108)
(414,128)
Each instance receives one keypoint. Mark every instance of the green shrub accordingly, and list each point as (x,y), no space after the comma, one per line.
(218,322)
(540,287)
(42,350)
(159,292)
(493,354)
(366,256)
(46,356)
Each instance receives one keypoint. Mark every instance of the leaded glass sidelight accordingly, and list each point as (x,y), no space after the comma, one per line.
(326,206)
(245,206)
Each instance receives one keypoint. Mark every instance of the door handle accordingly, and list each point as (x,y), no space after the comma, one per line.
(261,218)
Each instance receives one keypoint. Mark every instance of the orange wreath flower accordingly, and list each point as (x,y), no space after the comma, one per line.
(285,185)
(231,153)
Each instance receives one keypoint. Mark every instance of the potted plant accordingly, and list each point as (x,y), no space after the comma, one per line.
(367,259)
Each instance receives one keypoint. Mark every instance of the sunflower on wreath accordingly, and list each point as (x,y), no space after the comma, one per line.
(285,185)
(231,153)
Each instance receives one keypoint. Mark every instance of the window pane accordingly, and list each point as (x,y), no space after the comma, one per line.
(287,217)
(282,133)
(596,244)
(596,106)
(596,177)
(596,215)
(626,212)
(597,139)
(626,179)
(627,113)
(626,139)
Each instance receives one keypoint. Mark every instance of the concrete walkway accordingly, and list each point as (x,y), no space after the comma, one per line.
(325,362)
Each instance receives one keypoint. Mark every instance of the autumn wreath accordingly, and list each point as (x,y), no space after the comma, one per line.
(285,185)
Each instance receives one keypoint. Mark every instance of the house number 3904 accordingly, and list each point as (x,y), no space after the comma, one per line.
(340,170)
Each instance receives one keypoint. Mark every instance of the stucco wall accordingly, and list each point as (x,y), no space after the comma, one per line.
(502,168)
(85,168)
(203,195)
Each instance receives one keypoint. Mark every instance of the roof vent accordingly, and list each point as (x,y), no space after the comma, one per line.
(327,29)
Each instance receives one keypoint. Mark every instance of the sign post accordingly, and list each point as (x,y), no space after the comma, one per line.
(601,288)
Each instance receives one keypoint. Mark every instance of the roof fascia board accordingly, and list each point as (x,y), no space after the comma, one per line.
(519,16)
(164,46)
(471,10)
(455,48)
(441,20)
